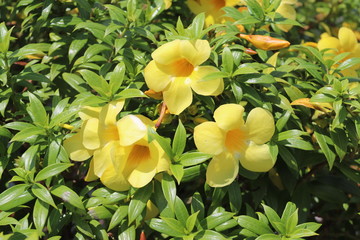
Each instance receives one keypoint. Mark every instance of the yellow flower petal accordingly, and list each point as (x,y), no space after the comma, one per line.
(163,160)
(260,125)
(178,96)
(89,112)
(287,11)
(209,138)
(77,152)
(196,52)
(222,170)
(90,176)
(141,165)
(112,179)
(151,210)
(90,134)
(329,42)
(257,158)
(167,53)
(347,39)
(131,129)
(156,79)
(105,156)
(229,116)
(110,111)
(207,88)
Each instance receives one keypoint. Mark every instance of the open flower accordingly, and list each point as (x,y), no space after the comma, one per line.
(231,140)
(212,9)
(346,42)
(122,155)
(175,70)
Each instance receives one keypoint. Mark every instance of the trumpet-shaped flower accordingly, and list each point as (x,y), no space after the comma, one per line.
(231,140)
(346,42)
(175,70)
(122,155)
(212,9)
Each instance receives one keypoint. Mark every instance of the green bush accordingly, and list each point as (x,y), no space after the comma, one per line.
(178,120)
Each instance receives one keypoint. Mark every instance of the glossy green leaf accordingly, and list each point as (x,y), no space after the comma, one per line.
(118,216)
(37,111)
(138,202)
(179,141)
(40,213)
(52,170)
(193,158)
(67,195)
(43,194)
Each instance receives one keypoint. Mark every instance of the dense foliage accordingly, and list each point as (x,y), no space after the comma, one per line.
(179,119)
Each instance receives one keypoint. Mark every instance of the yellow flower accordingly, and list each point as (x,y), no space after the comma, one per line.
(122,155)
(175,70)
(212,9)
(231,140)
(167,3)
(346,42)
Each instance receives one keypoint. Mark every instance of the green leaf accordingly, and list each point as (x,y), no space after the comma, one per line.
(40,213)
(164,143)
(235,197)
(259,79)
(169,189)
(237,91)
(290,208)
(76,45)
(43,194)
(340,142)
(215,219)
(14,196)
(117,77)
(209,234)
(179,141)
(300,233)
(68,196)
(227,61)
(197,26)
(255,9)
(291,222)
(193,158)
(84,8)
(29,157)
(160,225)
(76,82)
(178,171)
(197,205)
(37,111)
(323,140)
(138,203)
(269,237)
(190,222)
(274,219)
(128,234)
(181,211)
(5,36)
(96,82)
(52,170)
(94,50)
(130,93)
(118,216)
(348,63)
(254,225)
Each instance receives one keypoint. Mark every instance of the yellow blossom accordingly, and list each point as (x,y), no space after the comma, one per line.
(231,140)
(175,70)
(121,154)
(346,42)
(212,9)
(167,3)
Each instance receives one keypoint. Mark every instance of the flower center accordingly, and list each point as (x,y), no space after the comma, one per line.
(182,68)
(218,4)
(138,154)
(235,140)
(109,133)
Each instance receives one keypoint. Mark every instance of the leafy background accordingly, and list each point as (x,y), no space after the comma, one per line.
(57,56)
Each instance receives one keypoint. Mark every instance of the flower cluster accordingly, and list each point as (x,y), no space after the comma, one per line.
(121,154)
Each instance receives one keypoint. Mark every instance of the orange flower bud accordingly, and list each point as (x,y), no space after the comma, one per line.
(265,42)
(142,236)
(156,95)
(250,51)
